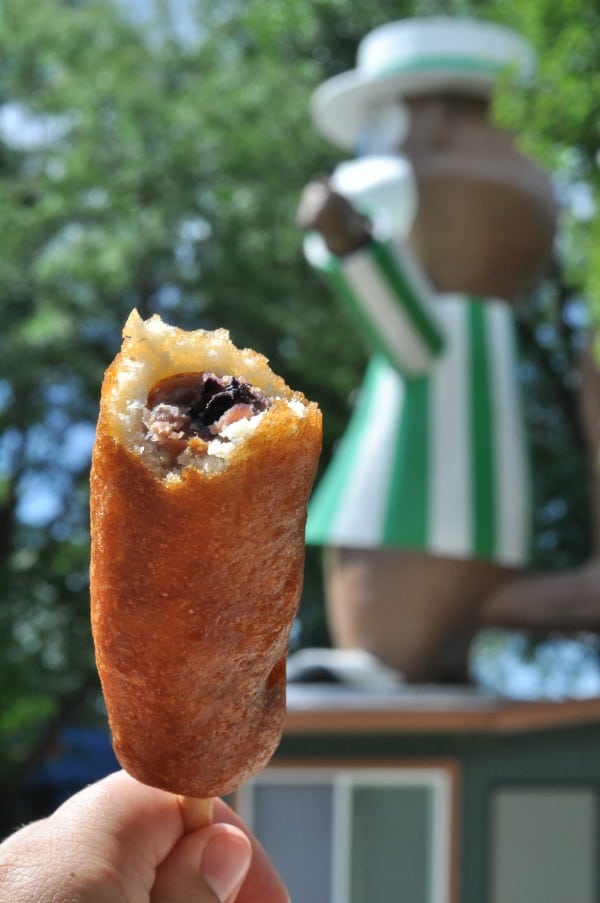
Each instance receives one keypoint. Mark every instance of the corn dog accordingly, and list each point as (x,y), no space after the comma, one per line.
(201,470)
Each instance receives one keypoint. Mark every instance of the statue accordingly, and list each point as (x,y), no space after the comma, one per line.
(430,237)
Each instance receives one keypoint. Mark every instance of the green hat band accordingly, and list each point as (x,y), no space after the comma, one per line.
(441,62)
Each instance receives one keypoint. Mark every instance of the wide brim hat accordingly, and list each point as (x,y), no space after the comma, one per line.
(413,57)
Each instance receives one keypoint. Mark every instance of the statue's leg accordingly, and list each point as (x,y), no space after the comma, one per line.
(568,600)
(416,612)
(589,413)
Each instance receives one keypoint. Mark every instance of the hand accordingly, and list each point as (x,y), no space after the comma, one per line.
(343,229)
(119,841)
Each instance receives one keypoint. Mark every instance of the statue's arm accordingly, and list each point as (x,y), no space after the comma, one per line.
(377,279)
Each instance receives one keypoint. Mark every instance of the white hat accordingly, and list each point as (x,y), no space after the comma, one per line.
(412,57)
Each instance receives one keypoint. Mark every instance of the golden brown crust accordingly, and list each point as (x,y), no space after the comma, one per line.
(195,584)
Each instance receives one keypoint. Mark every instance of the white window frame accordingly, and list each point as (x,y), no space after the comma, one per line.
(440,778)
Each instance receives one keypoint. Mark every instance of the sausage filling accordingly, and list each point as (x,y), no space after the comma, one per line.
(202,405)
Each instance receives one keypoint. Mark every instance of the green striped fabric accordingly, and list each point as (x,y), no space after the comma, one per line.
(482,432)
(415,303)
(389,299)
(440,461)
(334,484)
(409,484)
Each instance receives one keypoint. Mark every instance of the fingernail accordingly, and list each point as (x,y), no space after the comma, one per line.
(225,861)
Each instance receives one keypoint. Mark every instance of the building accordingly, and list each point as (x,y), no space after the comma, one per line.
(432,795)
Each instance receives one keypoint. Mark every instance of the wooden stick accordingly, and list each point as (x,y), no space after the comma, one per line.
(196,813)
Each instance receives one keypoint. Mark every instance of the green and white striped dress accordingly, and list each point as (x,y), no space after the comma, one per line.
(435,457)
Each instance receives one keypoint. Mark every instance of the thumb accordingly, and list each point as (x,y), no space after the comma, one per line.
(207,866)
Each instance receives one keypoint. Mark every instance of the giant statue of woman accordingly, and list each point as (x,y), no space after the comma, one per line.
(430,236)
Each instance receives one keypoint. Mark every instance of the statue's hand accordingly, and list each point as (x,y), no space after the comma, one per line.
(343,229)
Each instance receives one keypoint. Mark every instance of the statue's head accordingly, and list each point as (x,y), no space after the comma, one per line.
(368,108)
(485,216)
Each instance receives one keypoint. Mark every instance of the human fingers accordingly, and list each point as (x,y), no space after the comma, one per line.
(262,883)
(207,866)
(126,824)
(102,844)
(109,841)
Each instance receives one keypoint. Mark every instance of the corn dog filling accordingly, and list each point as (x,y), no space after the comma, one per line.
(198,405)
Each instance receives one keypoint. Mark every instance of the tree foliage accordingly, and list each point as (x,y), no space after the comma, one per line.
(149,167)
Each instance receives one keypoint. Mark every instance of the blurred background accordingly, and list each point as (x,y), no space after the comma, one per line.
(151,156)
